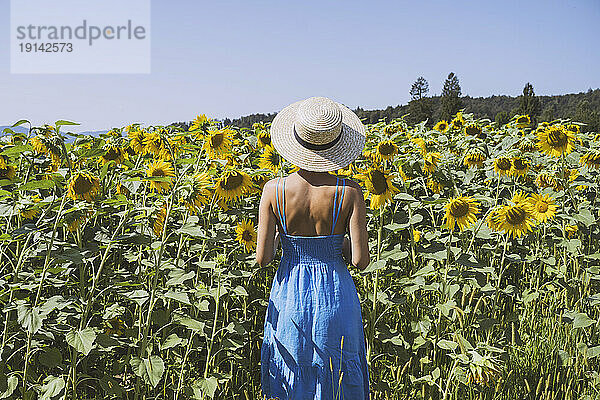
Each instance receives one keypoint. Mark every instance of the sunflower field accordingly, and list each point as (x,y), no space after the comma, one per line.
(127,268)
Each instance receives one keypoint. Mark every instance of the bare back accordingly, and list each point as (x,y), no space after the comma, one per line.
(309,211)
(309,205)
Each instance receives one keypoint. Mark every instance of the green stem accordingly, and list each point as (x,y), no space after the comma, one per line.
(375,287)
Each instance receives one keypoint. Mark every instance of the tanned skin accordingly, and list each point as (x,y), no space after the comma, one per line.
(309,212)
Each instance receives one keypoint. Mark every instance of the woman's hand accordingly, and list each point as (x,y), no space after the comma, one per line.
(347,250)
(276,243)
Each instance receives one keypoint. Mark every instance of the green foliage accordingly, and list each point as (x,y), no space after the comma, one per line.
(134,294)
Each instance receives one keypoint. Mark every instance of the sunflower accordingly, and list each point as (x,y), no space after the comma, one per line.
(201,123)
(159,222)
(263,139)
(258,182)
(435,186)
(519,166)
(441,126)
(75,219)
(270,159)
(196,192)
(121,189)
(458,122)
(379,185)
(386,150)
(502,165)
(349,171)
(545,180)
(113,153)
(430,162)
(38,144)
(420,143)
(556,141)
(83,186)
(406,172)
(30,213)
(543,207)
(516,219)
(390,129)
(137,141)
(246,235)
(571,230)
(527,146)
(49,146)
(523,121)
(493,220)
(7,172)
(573,128)
(461,211)
(474,158)
(160,169)
(232,184)
(591,159)
(114,326)
(153,143)
(217,143)
(473,130)
(519,197)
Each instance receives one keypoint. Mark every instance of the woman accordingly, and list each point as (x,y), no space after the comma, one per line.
(314,346)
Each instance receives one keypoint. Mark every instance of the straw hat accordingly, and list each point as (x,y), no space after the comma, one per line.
(318,134)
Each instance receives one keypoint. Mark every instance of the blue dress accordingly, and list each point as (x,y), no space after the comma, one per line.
(312,305)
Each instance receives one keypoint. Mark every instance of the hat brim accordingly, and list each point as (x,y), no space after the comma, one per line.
(347,149)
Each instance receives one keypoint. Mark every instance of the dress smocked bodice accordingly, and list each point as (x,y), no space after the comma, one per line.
(308,249)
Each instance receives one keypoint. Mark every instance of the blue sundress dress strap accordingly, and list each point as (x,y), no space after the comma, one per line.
(336,212)
(282,220)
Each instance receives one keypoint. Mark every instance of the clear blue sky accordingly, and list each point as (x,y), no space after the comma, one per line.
(233,58)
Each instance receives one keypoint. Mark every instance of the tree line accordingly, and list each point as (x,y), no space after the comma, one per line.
(583,107)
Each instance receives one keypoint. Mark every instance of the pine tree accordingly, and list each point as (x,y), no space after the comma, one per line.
(419,108)
(419,89)
(528,103)
(450,102)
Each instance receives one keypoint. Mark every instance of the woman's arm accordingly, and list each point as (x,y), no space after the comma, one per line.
(359,238)
(265,238)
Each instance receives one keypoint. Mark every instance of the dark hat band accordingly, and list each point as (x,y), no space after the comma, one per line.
(312,146)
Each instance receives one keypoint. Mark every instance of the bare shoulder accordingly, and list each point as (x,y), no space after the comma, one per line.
(269,189)
(354,189)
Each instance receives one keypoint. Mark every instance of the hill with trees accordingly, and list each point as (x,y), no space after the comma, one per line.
(583,107)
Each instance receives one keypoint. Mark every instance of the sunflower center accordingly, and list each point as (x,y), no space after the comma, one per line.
(3,172)
(519,164)
(522,120)
(459,208)
(472,130)
(516,215)
(387,149)
(112,154)
(503,164)
(159,172)
(82,184)
(231,182)
(265,139)
(216,140)
(379,182)
(557,138)
(542,207)
(246,236)
(274,159)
